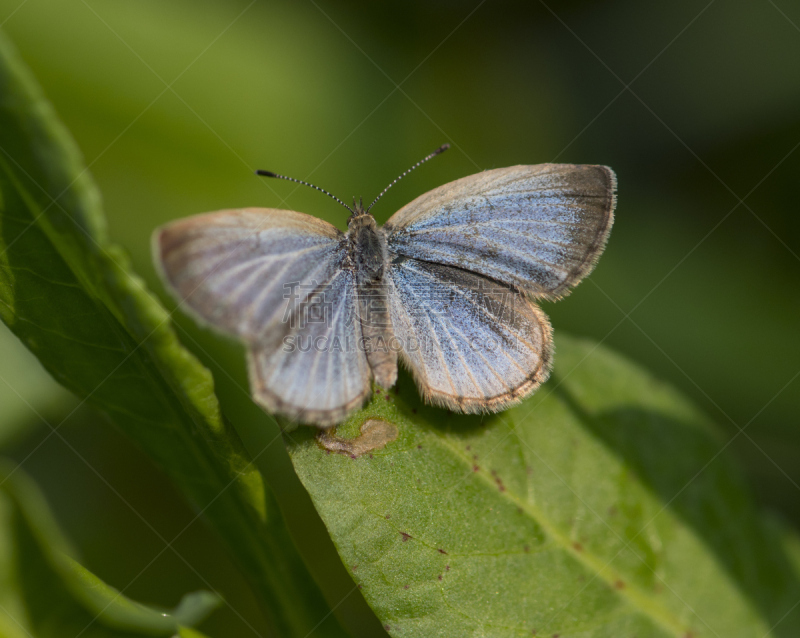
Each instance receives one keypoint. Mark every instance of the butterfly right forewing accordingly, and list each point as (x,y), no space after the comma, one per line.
(538,228)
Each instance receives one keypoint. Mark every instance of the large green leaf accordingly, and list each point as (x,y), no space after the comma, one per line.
(69,295)
(599,507)
(45,592)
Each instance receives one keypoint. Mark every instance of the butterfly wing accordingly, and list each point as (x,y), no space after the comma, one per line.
(538,228)
(318,373)
(277,280)
(473,344)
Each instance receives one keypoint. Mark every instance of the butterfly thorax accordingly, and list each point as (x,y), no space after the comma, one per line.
(367,248)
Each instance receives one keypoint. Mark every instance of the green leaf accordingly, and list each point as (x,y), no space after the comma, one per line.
(602,506)
(68,293)
(45,592)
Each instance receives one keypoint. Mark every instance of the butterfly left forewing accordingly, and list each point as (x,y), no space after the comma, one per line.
(278,280)
(472,344)
(242,270)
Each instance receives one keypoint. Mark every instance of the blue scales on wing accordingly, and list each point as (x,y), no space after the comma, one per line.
(539,228)
(519,233)
(473,344)
(275,279)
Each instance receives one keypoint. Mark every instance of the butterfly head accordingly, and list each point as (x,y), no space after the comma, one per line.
(360,217)
(358,209)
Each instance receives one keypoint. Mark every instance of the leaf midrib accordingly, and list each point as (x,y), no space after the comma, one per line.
(637,598)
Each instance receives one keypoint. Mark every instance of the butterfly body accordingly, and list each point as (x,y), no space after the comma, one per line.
(447,287)
(367,246)
(370,258)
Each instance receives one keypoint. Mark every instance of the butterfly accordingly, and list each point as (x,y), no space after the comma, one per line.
(447,287)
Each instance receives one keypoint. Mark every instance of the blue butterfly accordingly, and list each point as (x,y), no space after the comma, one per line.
(447,286)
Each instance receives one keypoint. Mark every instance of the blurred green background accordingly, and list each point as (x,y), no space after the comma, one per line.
(174,104)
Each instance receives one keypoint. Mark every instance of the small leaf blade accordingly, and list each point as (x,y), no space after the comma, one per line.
(47,592)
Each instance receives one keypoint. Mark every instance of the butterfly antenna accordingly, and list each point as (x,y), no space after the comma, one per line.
(300,181)
(438,151)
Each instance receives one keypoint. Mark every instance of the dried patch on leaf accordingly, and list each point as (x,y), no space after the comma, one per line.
(375,434)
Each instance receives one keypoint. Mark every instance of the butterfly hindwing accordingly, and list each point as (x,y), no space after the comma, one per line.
(320,373)
(473,344)
(275,279)
(538,228)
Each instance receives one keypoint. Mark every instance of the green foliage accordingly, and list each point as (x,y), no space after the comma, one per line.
(69,295)
(45,592)
(599,507)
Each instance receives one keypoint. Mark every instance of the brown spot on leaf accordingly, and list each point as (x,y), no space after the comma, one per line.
(440,577)
(476,468)
(618,584)
(577,547)
(441,551)
(447,568)
(405,586)
(375,434)
(419,447)
(388,516)
(354,567)
(526,549)
(406,536)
